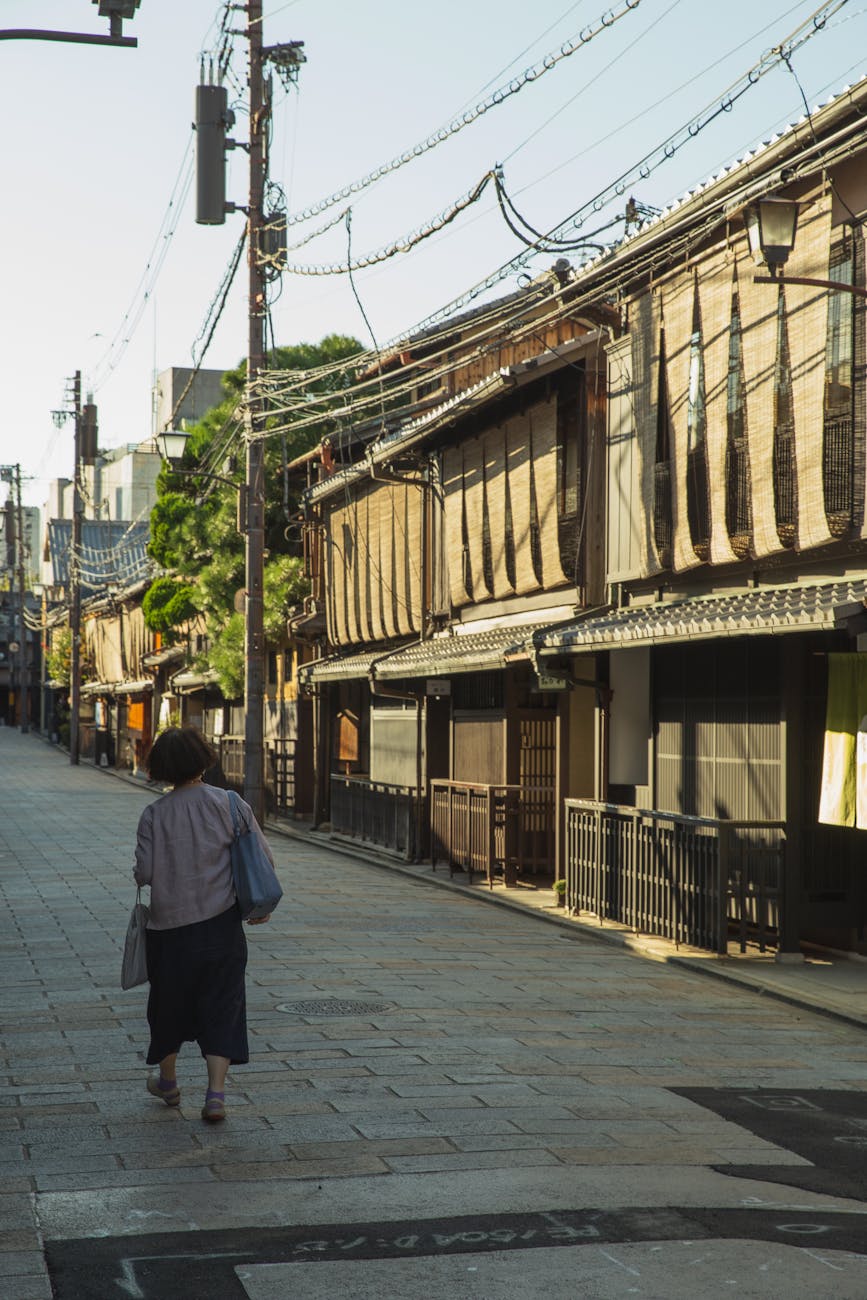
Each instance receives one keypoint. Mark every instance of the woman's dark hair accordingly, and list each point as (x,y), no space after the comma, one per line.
(179,754)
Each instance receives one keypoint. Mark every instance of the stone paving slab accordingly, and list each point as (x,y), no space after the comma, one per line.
(495,1066)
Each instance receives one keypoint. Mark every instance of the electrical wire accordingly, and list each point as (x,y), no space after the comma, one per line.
(402,245)
(603,71)
(209,325)
(663,153)
(494,100)
(143,291)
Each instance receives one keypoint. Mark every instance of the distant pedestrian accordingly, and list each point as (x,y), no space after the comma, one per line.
(196,947)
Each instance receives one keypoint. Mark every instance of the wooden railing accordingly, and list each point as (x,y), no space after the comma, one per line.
(688,879)
(492,829)
(279,771)
(386,815)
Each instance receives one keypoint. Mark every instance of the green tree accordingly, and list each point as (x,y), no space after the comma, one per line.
(58,661)
(194,534)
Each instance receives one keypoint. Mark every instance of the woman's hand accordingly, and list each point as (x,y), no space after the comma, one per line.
(259,920)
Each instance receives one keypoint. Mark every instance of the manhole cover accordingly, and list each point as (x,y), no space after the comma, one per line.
(333,1007)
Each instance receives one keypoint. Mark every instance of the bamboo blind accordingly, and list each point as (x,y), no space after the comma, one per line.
(453,493)
(543,423)
(507,463)
(374,586)
(495,485)
(759,327)
(645,389)
(474,505)
(116,643)
(715,295)
(807,315)
(678,301)
(378,513)
(519,468)
(335,608)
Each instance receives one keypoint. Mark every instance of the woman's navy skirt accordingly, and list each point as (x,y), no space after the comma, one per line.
(197,993)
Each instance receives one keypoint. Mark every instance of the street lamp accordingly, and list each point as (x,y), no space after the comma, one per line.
(771,231)
(771,224)
(171,444)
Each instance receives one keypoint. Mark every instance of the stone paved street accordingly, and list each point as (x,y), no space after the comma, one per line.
(444,1098)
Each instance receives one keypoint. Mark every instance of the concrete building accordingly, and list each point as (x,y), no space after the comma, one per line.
(180,400)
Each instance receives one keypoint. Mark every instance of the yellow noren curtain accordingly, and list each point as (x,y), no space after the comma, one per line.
(843,796)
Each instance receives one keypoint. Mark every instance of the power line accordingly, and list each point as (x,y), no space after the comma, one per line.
(494,100)
(122,336)
(402,245)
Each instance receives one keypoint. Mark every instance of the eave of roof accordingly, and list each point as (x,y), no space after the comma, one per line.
(455,409)
(761,611)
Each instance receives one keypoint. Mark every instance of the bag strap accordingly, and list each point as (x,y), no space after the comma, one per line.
(236,817)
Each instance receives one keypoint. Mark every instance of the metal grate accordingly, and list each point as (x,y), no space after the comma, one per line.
(333,1007)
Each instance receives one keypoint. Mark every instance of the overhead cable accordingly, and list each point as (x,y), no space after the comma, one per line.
(497,97)
(402,245)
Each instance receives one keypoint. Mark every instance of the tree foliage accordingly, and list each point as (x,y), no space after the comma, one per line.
(167,604)
(194,534)
(58,660)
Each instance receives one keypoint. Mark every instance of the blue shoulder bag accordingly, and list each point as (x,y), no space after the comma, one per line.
(256,884)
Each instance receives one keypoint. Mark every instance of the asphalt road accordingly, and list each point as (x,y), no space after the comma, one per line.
(444,1099)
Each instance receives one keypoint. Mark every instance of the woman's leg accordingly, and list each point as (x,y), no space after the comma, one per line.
(214,1108)
(218,1067)
(165,1086)
(169,1068)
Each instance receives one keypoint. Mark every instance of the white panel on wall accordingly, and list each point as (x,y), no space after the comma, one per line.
(629,677)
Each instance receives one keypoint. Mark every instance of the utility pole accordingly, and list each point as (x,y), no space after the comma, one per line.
(75,579)
(24,667)
(254,637)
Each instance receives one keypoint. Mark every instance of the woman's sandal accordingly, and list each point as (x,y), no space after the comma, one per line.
(171,1096)
(214,1110)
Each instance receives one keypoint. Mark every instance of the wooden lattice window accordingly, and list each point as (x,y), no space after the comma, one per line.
(739,515)
(838,426)
(785,469)
(662,506)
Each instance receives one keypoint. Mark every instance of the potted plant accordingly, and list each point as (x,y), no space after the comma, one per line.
(560,893)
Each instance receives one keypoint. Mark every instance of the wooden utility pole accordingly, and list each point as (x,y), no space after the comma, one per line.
(75,580)
(254,639)
(23,666)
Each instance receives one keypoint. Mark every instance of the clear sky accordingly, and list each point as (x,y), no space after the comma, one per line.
(94,140)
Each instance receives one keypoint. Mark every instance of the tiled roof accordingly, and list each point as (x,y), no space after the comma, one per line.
(436,657)
(113,553)
(757,611)
(339,668)
(456,653)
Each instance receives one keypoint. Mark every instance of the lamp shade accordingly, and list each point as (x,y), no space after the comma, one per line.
(171,444)
(771,229)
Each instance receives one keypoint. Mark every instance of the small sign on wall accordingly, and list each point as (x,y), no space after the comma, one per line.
(551,682)
(347,738)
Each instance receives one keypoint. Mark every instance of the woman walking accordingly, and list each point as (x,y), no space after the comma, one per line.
(196,947)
